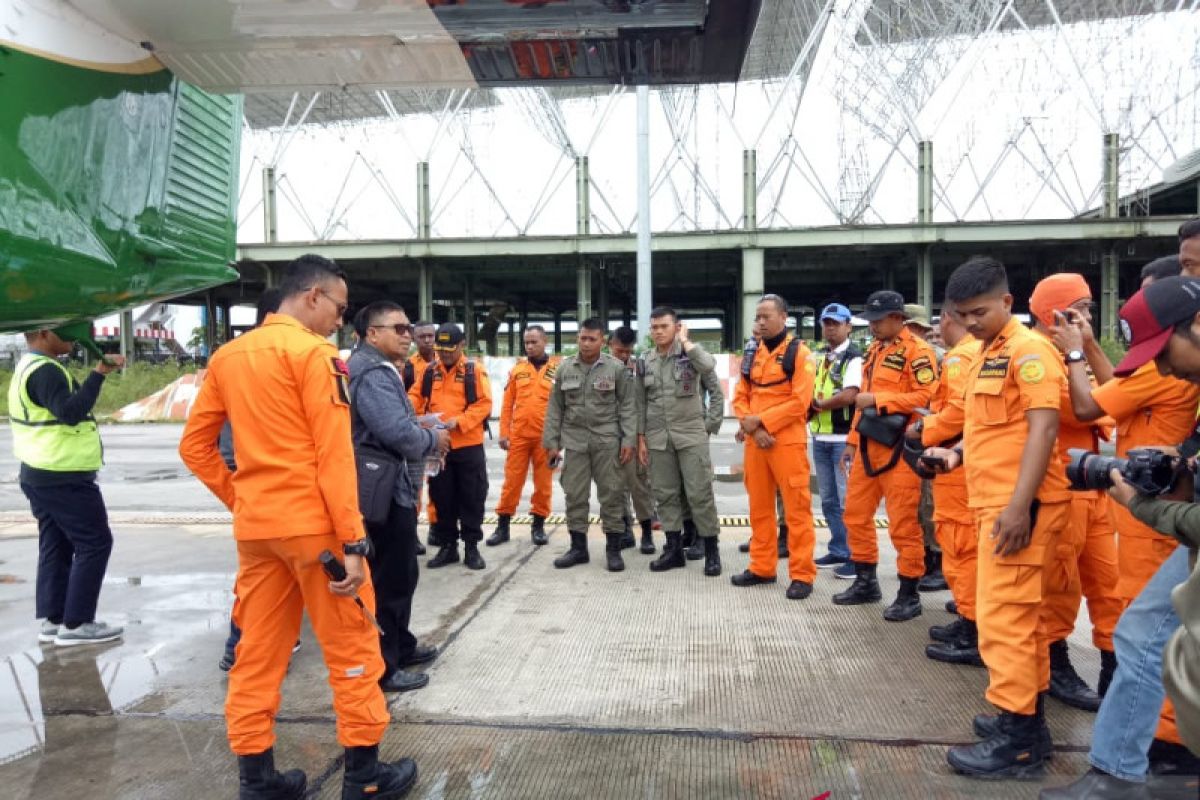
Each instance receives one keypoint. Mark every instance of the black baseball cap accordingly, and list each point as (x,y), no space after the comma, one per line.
(1150,317)
(882,303)
(449,336)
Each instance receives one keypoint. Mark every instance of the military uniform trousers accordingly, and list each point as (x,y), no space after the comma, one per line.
(600,463)
(278,580)
(783,469)
(675,472)
(523,453)
(1012,633)
(639,493)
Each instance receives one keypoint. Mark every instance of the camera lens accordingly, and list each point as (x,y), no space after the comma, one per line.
(1089,471)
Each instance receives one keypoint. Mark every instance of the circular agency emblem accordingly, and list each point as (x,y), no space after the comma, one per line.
(1126,332)
(924,375)
(1032,372)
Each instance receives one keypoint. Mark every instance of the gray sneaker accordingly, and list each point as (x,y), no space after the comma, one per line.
(48,632)
(87,633)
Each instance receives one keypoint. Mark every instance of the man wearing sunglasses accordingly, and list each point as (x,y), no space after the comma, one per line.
(383,420)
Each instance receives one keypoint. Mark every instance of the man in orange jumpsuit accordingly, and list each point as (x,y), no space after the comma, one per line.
(1018,491)
(899,372)
(1087,549)
(1149,409)
(522,416)
(771,403)
(294,495)
(458,391)
(414,368)
(958,642)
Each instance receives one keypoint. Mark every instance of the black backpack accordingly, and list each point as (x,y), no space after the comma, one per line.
(789,361)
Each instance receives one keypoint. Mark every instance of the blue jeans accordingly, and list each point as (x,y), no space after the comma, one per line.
(832,483)
(1129,714)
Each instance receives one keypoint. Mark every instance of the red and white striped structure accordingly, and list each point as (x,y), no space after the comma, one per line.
(108,332)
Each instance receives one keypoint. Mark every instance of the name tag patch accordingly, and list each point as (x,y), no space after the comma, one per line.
(995,367)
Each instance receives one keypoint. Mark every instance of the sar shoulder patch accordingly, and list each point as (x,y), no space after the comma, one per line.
(341,380)
(925,376)
(1032,371)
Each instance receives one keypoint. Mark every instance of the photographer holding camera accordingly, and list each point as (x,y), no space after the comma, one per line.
(1162,325)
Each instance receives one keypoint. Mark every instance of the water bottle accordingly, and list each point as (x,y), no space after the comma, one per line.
(433,461)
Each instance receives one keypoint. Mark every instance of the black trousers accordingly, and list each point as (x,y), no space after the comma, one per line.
(459,492)
(394,572)
(74,543)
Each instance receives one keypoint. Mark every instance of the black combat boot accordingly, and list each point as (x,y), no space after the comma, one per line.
(951,606)
(648,537)
(627,539)
(446,554)
(907,604)
(712,556)
(947,633)
(1098,785)
(1018,748)
(500,535)
(672,554)
(744,547)
(1108,668)
(1065,684)
(537,531)
(783,545)
(367,778)
(865,588)
(616,543)
(258,779)
(962,649)
(988,725)
(578,554)
(933,580)
(695,548)
(471,557)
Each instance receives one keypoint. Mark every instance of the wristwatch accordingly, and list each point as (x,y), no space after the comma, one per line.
(360,548)
(1074,356)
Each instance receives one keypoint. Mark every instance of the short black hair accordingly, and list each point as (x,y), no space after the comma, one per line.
(624,335)
(1165,267)
(1189,229)
(663,311)
(535,329)
(306,272)
(592,324)
(776,300)
(268,303)
(373,312)
(976,276)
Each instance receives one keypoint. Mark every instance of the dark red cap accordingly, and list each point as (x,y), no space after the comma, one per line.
(1150,316)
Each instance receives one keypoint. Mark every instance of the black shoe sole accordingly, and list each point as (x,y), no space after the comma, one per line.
(838,600)
(907,616)
(958,661)
(1019,772)
(648,550)
(744,547)
(932,586)
(491,543)
(539,542)
(756,582)
(395,793)
(390,689)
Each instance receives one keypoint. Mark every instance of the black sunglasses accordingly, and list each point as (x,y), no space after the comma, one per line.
(400,328)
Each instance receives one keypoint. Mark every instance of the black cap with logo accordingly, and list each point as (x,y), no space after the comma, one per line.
(882,303)
(449,336)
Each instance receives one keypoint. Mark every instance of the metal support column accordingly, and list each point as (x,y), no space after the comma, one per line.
(210,325)
(583,201)
(469,311)
(750,189)
(424,222)
(512,335)
(425,292)
(925,182)
(644,275)
(1109,262)
(925,277)
(602,300)
(583,290)
(128,347)
(270,215)
(753,282)
(558,342)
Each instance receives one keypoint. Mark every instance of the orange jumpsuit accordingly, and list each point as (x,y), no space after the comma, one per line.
(1018,372)
(522,415)
(1087,549)
(952,516)
(901,374)
(284,390)
(782,405)
(1150,409)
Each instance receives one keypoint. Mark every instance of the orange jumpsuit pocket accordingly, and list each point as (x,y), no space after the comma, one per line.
(988,404)
(1017,578)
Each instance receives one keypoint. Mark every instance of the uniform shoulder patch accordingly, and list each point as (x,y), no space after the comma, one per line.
(1032,371)
(925,376)
(341,380)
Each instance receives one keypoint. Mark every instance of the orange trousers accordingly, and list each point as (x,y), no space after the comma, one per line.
(1086,566)
(522,453)
(1138,558)
(783,468)
(901,488)
(278,580)
(1012,638)
(954,529)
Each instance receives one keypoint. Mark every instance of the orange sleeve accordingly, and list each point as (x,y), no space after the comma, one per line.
(478,412)
(414,393)
(507,404)
(198,447)
(920,393)
(328,418)
(1121,398)
(1040,375)
(741,397)
(793,410)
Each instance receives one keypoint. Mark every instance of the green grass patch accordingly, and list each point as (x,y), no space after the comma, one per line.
(120,388)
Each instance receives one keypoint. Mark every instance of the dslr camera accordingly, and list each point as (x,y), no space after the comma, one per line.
(1150,472)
